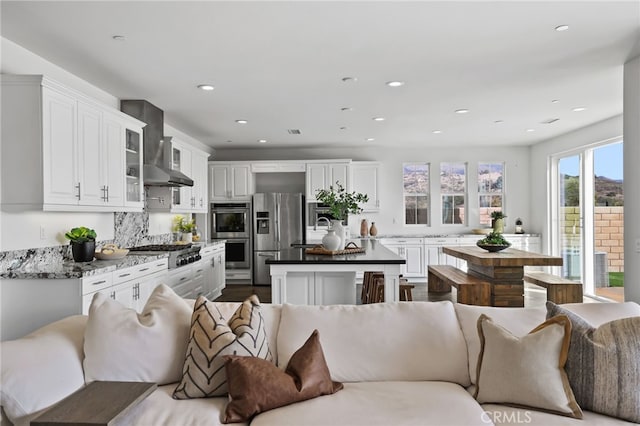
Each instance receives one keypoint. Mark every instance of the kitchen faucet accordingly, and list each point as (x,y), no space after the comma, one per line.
(315,227)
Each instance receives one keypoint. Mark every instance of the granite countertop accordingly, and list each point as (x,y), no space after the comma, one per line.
(375,253)
(70,269)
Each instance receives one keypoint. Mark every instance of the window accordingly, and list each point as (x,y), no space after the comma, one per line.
(415,178)
(490,190)
(453,189)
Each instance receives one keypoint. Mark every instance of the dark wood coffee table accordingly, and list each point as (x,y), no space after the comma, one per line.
(98,403)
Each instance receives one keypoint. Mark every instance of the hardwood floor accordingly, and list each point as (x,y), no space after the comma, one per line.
(533,295)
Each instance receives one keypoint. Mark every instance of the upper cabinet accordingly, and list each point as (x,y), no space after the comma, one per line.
(230,181)
(199,174)
(68,150)
(365,179)
(323,175)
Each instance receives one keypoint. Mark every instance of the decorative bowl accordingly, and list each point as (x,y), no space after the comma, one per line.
(117,254)
(493,247)
(482,231)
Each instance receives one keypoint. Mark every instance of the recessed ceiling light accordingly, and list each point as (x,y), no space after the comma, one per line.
(562,28)
(262,140)
(118,37)
(499,121)
(349,79)
(370,139)
(343,128)
(578,109)
(555,101)
(206,87)
(462,111)
(229,141)
(531,130)
(378,119)
(346,109)
(437,132)
(241,121)
(395,83)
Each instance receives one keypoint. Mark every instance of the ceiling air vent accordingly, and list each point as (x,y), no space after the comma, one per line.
(549,121)
(294,131)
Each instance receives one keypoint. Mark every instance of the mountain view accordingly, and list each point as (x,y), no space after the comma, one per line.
(608,192)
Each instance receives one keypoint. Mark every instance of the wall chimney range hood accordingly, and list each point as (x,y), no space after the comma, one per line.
(157,148)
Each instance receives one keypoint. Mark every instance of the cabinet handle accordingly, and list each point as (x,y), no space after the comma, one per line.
(99,282)
(201,202)
(183,278)
(159,264)
(123,275)
(107,193)
(213,262)
(113,295)
(199,270)
(78,188)
(144,269)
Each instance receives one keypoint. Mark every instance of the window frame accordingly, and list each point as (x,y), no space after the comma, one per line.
(406,194)
(464,193)
(502,193)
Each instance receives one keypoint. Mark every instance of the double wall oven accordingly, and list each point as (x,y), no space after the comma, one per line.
(232,222)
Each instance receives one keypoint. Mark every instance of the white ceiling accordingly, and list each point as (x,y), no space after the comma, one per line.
(280,65)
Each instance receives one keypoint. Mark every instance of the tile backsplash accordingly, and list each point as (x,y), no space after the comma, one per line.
(131,229)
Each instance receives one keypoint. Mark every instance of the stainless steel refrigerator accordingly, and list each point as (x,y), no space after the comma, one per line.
(278,221)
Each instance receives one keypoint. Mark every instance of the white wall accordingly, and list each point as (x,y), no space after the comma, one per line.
(22,230)
(631,180)
(390,219)
(610,129)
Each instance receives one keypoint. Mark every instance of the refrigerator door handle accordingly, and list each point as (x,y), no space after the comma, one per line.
(277,218)
(266,255)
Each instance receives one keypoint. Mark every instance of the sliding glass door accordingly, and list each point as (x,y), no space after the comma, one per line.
(570,216)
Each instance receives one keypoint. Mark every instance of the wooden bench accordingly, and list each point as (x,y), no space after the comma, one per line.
(471,290)
(559,290)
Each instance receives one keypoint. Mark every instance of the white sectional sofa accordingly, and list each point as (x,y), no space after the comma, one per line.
(407,363)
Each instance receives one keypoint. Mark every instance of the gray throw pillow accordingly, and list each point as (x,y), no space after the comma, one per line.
(603,365)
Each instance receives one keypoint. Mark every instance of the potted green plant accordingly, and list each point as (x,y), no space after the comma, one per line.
(497,221)
(83,243)
(185,227)
(341,203)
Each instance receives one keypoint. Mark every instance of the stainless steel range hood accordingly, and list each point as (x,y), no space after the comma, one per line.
(157,169)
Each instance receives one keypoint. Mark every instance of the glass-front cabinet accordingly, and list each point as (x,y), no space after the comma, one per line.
(133,167)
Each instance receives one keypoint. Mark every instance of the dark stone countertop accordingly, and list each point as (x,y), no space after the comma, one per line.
(375,253)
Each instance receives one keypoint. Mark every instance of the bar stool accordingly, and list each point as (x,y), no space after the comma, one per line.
(374,291)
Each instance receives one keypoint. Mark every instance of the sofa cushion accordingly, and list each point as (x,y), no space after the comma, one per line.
(256,385)
(211,337)
(160,408)
(597,314)
(503,415)
(603,366)
(526,371)
(122,345)
(41,368)
(382,403)
(381,341)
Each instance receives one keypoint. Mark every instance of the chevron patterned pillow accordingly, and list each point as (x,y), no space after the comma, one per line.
(211,337)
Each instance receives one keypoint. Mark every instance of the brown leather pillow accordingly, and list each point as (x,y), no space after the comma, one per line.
(256,385)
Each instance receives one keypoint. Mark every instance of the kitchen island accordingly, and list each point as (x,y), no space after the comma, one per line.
(310,279)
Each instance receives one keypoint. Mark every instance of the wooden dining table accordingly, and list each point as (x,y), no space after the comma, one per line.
(504,270)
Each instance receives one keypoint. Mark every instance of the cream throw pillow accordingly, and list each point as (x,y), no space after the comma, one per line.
(122,345)
(526,371)
(211,337)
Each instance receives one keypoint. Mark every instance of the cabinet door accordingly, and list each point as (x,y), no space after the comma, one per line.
(113,161)
(220,275)
(199,189)
(91,154)
(186,196)
(415,261)
(240,182)
(365,180)
(60,149)
(339,173)
(123,293)
(317,177)
(218,182)
(133,166)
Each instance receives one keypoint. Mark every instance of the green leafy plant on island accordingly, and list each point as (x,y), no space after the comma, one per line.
(340,202)
(494,239)
(497,214)
(81,235)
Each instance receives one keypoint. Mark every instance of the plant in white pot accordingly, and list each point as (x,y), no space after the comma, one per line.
(341,203)
(83,243)
(185,227)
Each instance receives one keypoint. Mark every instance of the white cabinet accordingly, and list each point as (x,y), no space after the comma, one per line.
(230,182)
(412,250)
(199,174)
(213,259)
(435,255)
(365,179)
(68,150)
(320,288)
(323,175)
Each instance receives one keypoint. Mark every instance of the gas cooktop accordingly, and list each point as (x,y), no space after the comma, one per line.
(179,254)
